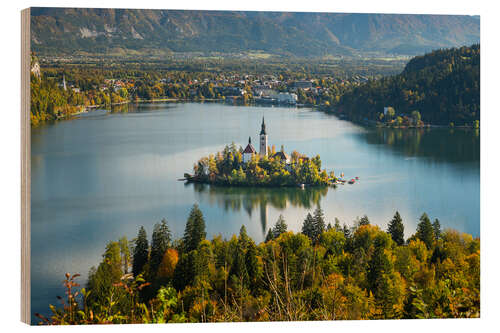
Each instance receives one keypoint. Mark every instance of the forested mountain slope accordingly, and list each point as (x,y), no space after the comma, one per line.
(442,85)
(64,31)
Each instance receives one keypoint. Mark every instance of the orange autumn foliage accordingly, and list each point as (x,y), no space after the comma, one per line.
(168,263)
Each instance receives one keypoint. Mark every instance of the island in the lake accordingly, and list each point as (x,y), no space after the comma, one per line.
(245,167)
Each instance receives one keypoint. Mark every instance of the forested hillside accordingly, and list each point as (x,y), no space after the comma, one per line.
(443,86)
(326,272)
(132,32)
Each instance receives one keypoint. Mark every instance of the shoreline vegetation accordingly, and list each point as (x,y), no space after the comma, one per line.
(440,88)
(328,271)
(228,168)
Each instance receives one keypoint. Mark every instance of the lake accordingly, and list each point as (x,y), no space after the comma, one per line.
(101,176)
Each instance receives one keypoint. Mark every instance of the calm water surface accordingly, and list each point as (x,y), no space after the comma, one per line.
(100,177)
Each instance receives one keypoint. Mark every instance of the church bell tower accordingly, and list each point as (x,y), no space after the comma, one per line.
(263,139)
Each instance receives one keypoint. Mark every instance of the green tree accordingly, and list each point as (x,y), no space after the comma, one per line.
(269,235)
(280,227)
(160,243)
(363,221)
(319,223)
(252,266)
(141,251)
(396,229)
(195,229)
(101,280)
(425,231)
(437,229)
(308,226)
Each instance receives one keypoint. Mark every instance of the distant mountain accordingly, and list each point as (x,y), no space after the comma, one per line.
(60,31)
(444,86)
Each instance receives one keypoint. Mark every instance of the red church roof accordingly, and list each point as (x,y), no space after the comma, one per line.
(249,149)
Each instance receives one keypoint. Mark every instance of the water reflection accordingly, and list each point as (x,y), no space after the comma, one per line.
(251,199)
(438,145)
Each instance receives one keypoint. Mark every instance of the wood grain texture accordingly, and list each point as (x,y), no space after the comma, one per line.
(25,168)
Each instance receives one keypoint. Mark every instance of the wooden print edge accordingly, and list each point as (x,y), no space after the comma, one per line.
(25,168)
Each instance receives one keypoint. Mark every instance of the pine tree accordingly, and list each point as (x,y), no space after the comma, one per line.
(252,267)
(437,229)
(244,239)
(141,251)
(308,226)
(318,224)
(184,271)
(269,236)
(280,227)
(238,268)
(159,245)
(195,229)
(363,221)
(396,229)
(425,231)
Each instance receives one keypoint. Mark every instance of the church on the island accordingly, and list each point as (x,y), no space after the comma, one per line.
(263,150)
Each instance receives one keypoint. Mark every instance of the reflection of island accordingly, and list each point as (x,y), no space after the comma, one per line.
(253,198)
(439,145)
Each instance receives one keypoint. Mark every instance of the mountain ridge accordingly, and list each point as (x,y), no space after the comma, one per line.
(59,31)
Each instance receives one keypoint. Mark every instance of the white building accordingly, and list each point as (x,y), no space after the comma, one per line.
(249,151)
(286,98)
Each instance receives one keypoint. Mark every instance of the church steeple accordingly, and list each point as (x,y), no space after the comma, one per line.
(263,139)
(263,129)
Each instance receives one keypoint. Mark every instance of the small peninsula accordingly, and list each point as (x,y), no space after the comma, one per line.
(245,167)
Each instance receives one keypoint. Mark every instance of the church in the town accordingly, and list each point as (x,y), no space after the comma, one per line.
(263,149)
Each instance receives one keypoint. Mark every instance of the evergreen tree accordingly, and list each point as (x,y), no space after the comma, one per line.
(238,268)
(185,270)
(308,226)
(319,223)
(159,245)
(329,226)
(363,221)
(269,236)
(379,263)
(280,227)
(141,251)
(195,229)
(425,231)
(244,239)
(437,229)
(251,264)
(396,229)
